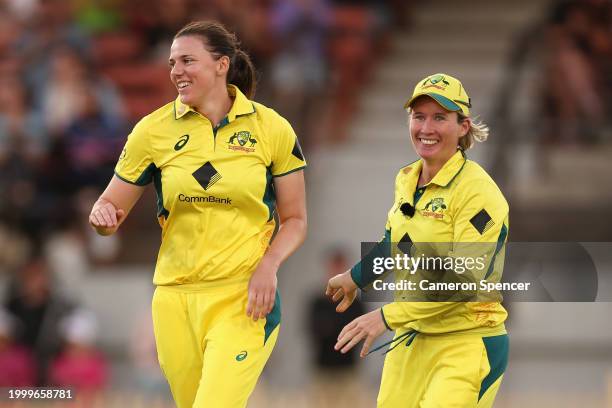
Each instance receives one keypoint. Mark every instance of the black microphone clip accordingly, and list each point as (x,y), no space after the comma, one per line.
(407,209)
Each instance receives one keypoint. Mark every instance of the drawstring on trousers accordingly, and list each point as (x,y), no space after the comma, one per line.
(408,336)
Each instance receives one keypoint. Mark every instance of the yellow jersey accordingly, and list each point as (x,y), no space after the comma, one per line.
(214,185)
(460,205)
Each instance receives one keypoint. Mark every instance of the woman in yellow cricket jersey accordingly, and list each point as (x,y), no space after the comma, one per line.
(444,354)
(225,169)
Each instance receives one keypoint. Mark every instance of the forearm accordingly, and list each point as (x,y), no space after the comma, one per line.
(110,210)
(290,236)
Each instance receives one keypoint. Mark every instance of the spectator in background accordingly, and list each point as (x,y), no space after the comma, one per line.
(23,145)
(80,364)
(34,304)
(21,9)
(52,25)
(18,368)
(333,370)
(22,131)
(351,50)
(67,95)
(574,86)
(10,57)
(66,248)
(55,187)
(84,116)
(93,141)
(160,26)
(15,248)
(252,22)
(84,120)
(299,69)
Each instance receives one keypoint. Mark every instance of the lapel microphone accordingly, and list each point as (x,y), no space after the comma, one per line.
(407,209)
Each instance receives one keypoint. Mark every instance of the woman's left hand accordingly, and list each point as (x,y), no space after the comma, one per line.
(262,289)
(368,326)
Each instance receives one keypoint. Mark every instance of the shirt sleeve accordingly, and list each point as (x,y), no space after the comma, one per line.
(363,273)
(480,227)
(287,155)
(135,164)
(481,214)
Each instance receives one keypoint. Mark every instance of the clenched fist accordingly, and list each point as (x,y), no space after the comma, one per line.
(105,217)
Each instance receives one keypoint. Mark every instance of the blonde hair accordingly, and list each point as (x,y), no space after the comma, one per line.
(478,131)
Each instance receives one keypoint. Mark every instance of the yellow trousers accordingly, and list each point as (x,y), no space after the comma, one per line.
(209,350)
(444,371)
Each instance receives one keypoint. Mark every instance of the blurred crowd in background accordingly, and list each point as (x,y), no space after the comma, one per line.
(572,43)
(577,90)
(75,76)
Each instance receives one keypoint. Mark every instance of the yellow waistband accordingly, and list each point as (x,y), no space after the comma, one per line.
(208,286)
(478,331)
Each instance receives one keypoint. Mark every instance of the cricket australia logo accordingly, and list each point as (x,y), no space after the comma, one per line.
(436,81)
(435,208)
(239,140)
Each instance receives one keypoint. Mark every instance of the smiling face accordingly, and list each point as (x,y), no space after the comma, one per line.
(194,70)
(434,131)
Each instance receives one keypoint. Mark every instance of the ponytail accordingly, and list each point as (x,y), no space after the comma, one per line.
(242,73)
(478,132)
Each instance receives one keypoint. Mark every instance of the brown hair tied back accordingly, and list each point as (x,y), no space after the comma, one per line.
(219,42)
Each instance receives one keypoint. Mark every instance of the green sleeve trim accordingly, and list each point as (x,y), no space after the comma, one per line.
(289,172)
(145,178)
(123,178)
(135,183)
(381,249)
(269,197)
(356,274)
(157,183)
(382,313)
(500,243)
